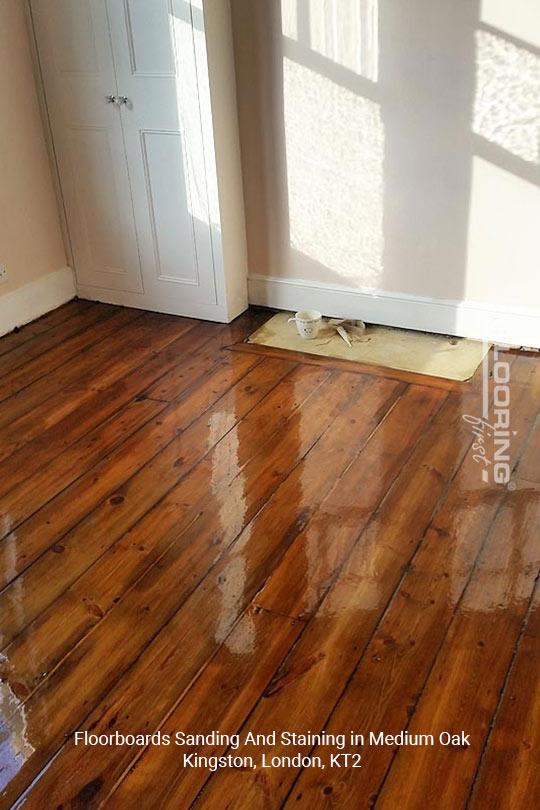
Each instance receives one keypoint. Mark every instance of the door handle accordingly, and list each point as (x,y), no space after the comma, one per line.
(110,99)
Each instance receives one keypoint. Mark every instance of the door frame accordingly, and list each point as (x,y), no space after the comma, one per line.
(47,129)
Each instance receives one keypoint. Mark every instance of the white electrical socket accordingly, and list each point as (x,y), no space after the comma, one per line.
(3,273)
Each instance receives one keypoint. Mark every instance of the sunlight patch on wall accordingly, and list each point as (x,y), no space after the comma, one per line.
(519,18)
(507,102)
(289,18)
(346,31)
(335,153)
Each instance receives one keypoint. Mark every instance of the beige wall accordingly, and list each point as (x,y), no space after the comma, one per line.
(30,236)
(393,145)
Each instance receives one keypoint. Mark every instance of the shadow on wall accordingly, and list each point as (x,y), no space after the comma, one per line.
(393,146)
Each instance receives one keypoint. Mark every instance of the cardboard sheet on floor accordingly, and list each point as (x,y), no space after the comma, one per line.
(418,352)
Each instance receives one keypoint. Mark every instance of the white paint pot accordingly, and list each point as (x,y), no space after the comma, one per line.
(308,323)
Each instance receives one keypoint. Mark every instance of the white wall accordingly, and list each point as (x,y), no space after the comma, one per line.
(31,244)
(394,147)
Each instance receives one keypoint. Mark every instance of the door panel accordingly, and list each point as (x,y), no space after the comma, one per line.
(93,178)
(155,67)
(149,37)
(172,230)
(76,60)
(74,44)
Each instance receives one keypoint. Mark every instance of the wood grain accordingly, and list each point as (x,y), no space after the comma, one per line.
(48,400)
(214,598)
(196,535)
(125,485)
(509,774)
(390,676)
(26,333)
(182,353)
(52,348)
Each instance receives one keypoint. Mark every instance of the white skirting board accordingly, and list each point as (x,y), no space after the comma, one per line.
(514,326)
(35,299)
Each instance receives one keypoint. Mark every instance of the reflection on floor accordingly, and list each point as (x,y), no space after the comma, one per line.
(196,539)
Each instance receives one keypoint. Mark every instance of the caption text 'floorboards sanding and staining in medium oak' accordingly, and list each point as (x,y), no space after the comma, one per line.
(285,574)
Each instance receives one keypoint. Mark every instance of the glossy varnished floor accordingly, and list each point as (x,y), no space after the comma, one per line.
(197,538)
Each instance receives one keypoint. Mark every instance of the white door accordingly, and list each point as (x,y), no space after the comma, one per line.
(121,87)
(159,103)
(77,63)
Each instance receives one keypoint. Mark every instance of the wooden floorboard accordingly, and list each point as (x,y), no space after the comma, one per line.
(34,382)
(509,772)
(160,589)
(109,499)
(29,331)
(183,354)
(53,346)
(412,628)
(54,396)
(191,356)
(198,536)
